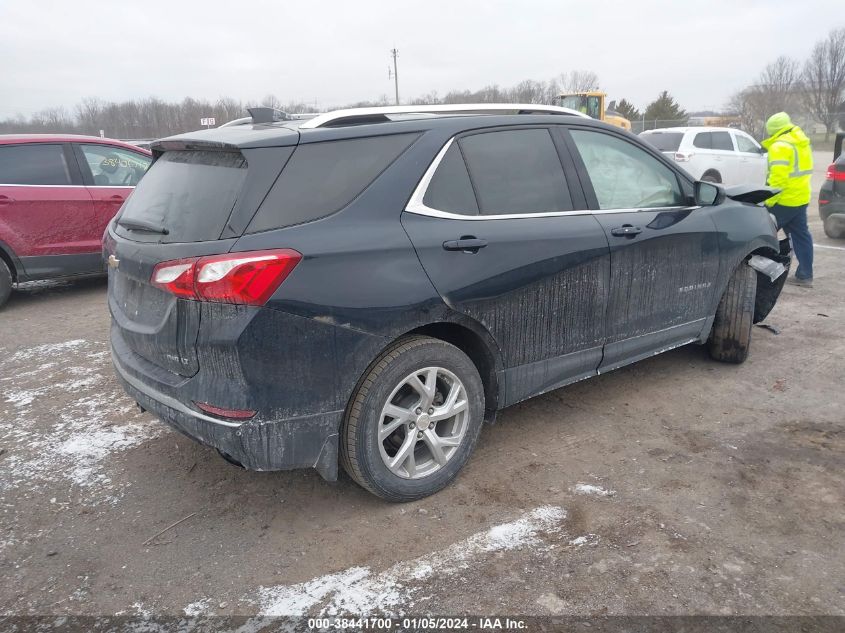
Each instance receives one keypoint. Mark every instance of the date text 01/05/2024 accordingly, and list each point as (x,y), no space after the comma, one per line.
(425,623)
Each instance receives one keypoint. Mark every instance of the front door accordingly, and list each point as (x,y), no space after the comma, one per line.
(497,231)
(664,254)
(752,159)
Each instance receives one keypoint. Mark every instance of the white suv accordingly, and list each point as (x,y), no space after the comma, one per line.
(714,154)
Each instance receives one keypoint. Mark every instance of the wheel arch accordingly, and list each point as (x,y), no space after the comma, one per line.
(8,256)
(474,341)
(712,171)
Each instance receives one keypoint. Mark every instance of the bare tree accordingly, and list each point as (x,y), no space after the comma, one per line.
(579,81)
(824,79)
(774,91)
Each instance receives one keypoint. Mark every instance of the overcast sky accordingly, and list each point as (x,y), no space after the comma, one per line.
(56,52)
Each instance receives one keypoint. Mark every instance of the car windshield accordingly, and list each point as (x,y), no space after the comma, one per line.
(664,141)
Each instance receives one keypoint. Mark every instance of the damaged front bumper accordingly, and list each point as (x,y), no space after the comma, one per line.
(768,289)
(302,442)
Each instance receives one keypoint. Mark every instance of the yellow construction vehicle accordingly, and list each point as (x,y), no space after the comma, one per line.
(592,104)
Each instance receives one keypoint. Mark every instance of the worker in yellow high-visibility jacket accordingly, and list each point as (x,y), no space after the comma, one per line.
(791,170)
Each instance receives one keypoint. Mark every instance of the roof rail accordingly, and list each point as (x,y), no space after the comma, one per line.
(382,114)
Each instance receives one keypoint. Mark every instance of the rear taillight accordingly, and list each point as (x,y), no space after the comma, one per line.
(244,278)
(835,172)
(683,157)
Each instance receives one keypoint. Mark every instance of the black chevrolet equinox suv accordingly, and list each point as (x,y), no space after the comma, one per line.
(367,287)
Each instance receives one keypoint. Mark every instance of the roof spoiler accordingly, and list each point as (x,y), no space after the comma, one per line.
(267,115)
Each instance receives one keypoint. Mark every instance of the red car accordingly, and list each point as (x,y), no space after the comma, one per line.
(57,194)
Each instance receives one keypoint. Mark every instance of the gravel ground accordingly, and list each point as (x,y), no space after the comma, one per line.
(674,486)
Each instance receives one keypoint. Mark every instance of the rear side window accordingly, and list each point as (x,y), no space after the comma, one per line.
(322,178)
(702,141)
(34,164)
(664,141)
(516,171)
(190,194)
(450,189)
(722,140)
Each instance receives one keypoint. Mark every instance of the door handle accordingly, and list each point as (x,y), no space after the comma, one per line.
(626,230)
(117,198)
(467,243)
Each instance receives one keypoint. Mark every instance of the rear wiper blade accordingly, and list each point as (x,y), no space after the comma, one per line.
(140,225)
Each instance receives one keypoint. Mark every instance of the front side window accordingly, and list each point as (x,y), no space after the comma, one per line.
(516,171)
(722,141)
(745,144)
(625,176)
(115,167)
(34,164)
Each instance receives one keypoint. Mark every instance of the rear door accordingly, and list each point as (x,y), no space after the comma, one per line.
(704,158)
(499,225)
(45,211)
(664,254)
(110,173)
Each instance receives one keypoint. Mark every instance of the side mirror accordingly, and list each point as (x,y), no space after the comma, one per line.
(707,194)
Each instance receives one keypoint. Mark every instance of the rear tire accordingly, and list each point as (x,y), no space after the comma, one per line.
(5,282)
(730,338)
(382,425)
(832,232)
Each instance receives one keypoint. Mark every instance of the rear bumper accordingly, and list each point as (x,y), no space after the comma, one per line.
(302,442)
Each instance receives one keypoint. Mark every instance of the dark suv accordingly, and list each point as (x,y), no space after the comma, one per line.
(367,287)
(832,194)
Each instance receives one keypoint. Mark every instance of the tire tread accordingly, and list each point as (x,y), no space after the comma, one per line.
(730,338)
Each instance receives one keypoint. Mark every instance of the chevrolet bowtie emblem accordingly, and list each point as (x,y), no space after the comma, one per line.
(114,262)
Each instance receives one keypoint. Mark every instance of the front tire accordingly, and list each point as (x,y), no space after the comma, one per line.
(413,420)
(5,283)
(730,338)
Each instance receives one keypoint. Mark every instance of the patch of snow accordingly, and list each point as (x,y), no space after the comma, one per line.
(359,590)
(64,417)
(587,539)
(141,610)
(196,608)
(46,350)
(590,489)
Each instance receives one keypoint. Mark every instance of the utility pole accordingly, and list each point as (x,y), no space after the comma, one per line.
(395,53)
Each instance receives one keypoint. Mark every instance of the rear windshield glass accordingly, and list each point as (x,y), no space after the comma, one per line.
(322,178)
(188,194)
(664,141)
